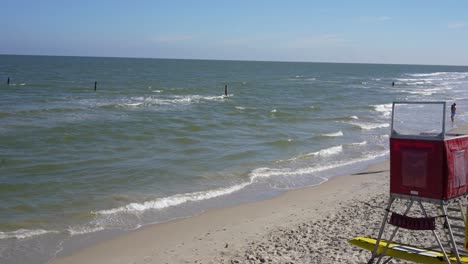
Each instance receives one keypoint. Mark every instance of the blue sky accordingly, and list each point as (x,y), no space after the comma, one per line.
(406,32)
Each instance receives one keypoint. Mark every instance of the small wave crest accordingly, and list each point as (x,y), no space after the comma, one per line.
(358,143)
(174,200)
(271,172)
(327,152)
(436,74)
(370,126)
(73,231)
(385,109)
(154,101)
(24,233)
(334,134)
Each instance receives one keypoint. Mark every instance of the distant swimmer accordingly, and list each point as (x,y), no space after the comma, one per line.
(453,110)
(8,81)
(95,86)
(225,90)
(393,83)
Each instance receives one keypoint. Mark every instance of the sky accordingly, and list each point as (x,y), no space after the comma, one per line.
(396,32)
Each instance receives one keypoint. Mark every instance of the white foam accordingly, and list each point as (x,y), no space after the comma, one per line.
(73,231)
(273,111)
(174,200)
(327,152)
(370,126)
(240,108)
(336,134)
(385,109)
(179,199)
(427,74)
(440,76)
(354,117)
(426,93)
(133,104)
(24,233)
(359,143)
(269,172)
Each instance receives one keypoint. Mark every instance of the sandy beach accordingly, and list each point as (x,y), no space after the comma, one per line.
(309,225)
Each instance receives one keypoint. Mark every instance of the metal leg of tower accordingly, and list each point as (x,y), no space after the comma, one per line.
(382,227)
(450,232)
(435,235)
(382,254)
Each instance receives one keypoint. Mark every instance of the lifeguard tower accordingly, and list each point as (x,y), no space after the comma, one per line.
(428,176)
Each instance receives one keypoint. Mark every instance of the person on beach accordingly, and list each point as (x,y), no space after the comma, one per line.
(453,110)
(225,90)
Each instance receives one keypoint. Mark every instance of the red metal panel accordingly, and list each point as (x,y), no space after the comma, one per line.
(457,155)
(417,167)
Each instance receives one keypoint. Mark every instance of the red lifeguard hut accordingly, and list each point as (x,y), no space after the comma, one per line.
(428,167)
(426,161)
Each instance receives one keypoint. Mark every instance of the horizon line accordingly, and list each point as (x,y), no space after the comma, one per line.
(238,60)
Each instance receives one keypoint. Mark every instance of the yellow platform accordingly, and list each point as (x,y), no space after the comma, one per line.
(406,252)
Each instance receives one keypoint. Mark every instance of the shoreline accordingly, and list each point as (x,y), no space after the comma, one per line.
(224,235)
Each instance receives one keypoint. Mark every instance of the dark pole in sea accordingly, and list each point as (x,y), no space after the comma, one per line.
(8,81)
(225,90)
(95,86)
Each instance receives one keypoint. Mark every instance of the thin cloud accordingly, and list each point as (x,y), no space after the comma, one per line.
(373,19)
(246,40)
(315,41)
(173,38)
(456,25)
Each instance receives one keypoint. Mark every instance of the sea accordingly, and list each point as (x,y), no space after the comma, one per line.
(91,148)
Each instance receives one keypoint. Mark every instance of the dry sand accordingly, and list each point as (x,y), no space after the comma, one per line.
(309,225)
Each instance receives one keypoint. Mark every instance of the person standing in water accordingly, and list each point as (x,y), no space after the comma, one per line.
(453,110)
(8,81)
(95,86)
(225,90)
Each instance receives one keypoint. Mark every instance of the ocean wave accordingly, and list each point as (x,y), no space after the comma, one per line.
(272,172)
(73,231)
(425,93)
(327,152)
(358,143)
(385,109)
(175,200)
(151,101)
(254,176)
(443,75)
(343,118)
(419,79)
(334,134)
(24,233)
(370,126)
(427,74)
